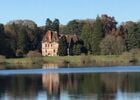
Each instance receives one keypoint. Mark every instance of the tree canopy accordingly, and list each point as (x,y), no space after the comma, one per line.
(99,36)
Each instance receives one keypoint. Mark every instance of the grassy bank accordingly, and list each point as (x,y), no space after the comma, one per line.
(109,60)
(23,62)
(126,58)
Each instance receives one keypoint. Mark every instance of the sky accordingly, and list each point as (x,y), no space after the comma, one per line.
(66,10)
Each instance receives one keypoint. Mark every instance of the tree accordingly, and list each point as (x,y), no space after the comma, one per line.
(23,35)
(48,25)
(11,34)
(132,41)
(74,27)
(86,36)
(33,38)
(52,25)
(55,25)
(112,45)
(119,45)
(22,40)
(62,49)
(109,23)
(63,29)
(133,35)
(2,39)
(138,34)
(97,36)
(77,49)
(92,34)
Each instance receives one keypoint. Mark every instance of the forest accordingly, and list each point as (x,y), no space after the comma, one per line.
(99,36)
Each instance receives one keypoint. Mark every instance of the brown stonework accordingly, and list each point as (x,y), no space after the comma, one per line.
(50,42)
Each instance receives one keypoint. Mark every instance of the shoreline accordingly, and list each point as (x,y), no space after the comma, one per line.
(72,61)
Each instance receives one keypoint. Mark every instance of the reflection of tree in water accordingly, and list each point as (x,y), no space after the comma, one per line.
(24,87)
(51,82)
(104,86)
(127,82)
(20,86)
(2,86)
(82,84)
(131,82)
(111,82)
(116,82)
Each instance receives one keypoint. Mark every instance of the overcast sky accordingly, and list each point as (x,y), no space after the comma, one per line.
(66,10)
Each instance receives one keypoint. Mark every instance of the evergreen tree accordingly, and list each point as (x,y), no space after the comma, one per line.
(132,41)
(97,36)
(2,39)
(62,49)
(5,47)
(48,25)
(33,37)
(22,40)
(138,34)
(23,36)
(74,27)
(70,47)
(133,37)
(55,25)
(86,36)
(77,49)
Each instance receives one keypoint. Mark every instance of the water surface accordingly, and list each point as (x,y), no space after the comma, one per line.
(75,84)
(86,69)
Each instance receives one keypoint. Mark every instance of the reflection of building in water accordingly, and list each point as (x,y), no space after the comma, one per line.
(51,81)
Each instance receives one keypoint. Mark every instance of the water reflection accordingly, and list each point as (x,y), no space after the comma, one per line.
(19,87)
(54,86)
(51,82)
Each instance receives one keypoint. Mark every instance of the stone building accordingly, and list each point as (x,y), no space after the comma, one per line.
(50,43)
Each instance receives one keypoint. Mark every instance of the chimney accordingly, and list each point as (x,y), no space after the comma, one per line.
(49,36)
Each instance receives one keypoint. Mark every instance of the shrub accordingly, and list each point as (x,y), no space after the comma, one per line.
(34,54)
(35,57)
(135,55)
(86,59)
(19,53)
(2,59)
(112,45)
(126,55)
(132,56)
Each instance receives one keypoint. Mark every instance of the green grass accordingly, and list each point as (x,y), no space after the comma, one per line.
(62,59)
(127,58)
(90,60)
(23,63)
(18,61)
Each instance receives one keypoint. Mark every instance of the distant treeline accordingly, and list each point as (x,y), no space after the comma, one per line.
(98,36)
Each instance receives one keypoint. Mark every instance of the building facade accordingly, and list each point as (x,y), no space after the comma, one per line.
(50,43)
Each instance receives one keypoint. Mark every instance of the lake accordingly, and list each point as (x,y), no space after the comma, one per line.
(53,83)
